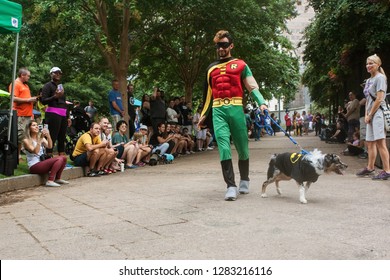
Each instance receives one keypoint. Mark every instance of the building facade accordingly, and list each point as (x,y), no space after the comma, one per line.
(296,28)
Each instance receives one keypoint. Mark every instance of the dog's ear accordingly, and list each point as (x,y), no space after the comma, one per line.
(329,158)
(332,158)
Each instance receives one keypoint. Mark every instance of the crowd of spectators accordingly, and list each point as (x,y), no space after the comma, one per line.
(162,128)
(349,127)
(159,126)
(98,143)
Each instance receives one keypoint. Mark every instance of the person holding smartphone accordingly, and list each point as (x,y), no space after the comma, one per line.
(53,95)
(37,139)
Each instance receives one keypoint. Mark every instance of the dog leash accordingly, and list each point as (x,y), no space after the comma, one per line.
(304,152)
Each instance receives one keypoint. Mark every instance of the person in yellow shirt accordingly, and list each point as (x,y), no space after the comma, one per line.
(92,152)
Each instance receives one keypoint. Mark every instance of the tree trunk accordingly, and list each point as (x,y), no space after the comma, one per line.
(123,89)
(188,92)
(118,59)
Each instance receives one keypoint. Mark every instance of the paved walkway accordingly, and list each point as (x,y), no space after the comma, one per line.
(177,212)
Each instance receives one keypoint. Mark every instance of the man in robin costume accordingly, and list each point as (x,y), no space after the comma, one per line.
(226,79)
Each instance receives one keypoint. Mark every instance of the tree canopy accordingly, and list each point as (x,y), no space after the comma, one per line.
(343,34)
(167,43)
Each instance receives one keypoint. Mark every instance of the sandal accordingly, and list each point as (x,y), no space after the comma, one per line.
(131,166)
(115,168)
(102,172)
(93,173)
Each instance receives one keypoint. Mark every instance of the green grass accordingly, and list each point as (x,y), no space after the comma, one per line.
(22,169)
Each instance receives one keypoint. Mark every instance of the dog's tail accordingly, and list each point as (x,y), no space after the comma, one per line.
(271,167)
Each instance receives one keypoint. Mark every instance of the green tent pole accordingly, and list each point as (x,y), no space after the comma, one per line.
(13,88)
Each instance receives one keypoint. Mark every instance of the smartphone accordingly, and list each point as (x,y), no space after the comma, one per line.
(46,126)
(40,127)
(60,87)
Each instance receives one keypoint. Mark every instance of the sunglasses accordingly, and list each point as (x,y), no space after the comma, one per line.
(223,45)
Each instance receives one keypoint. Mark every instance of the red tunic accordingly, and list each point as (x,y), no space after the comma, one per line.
(226,79)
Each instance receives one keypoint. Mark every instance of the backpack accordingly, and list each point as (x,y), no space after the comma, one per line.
(156,158)
(80,120)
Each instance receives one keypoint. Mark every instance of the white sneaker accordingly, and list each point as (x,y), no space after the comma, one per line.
(244,187)
(52,184)
(62,182)
(231,194)
(210,148)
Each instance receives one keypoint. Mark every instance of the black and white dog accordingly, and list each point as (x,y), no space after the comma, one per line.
(302,168)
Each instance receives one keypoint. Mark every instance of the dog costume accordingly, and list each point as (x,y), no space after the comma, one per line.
(224,94)
(303,168)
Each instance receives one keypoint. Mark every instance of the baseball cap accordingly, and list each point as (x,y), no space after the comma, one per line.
(143,127)
(55,69)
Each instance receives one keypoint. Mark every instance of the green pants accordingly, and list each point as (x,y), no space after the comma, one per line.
(230,120)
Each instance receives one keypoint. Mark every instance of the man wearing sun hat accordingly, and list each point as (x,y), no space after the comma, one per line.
(53,95)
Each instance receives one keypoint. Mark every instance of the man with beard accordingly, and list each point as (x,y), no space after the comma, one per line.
(23,103)
(225,81)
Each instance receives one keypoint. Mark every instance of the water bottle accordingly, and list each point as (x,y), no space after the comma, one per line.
(122,167)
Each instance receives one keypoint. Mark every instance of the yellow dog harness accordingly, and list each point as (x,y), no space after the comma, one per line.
(295,157)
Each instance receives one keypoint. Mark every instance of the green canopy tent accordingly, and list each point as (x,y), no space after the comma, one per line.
(11,22)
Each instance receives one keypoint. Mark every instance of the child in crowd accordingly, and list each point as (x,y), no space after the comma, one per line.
(190,141)
(354,147)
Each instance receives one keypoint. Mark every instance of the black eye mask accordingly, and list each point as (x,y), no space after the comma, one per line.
(223,45)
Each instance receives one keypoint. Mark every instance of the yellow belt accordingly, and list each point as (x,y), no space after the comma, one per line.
(236,101)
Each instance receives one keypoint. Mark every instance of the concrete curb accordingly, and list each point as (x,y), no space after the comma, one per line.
(34,180)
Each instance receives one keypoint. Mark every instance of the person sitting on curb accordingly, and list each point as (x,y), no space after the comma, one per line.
(158,142)
(127,150)
(190,141)
(105,134)
(91,152)
(145,149)
(35,143)
(339,135)
(354,148)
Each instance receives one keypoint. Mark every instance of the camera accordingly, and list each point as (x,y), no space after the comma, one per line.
(44,157)
(40,127)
